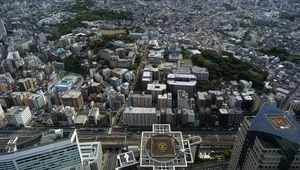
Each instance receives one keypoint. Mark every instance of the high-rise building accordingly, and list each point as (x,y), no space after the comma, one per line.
(185,82)
(2,115)
(156,89)
(53,149)
(26,84)
(6,82)
(7,66)
(140,100)
(91,153)
(200,73)
(3,31)
(165,100)
(18,116)
(146,79)
(72,98)
(93,116)
(140,116)
(182,99)
(162,148)
(270,140)
(294,105)
(115,99)
(63,116)
(37,101)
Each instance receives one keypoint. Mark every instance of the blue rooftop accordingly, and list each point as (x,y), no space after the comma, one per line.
(272,120)
(60,50)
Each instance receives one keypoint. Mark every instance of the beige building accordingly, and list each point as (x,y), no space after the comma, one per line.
(140,100)
(165,101)
(72,98)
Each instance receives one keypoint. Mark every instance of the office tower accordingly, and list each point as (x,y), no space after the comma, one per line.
(156,89)
(93,116)
(182,99)
(146,79)
(63,116)
(140,100)
(26,84)
(52,149)
(3,31)
(247,102)
(91,153)
(125,88)
(120,52)
(270,140)
(140,116)
(185,82)
(8,67)
(126,160)
(6,82)
(165,100)
(294,105)
(2,115)
(37,101)
(18,116)
(201,73)
(72,98)
(115,99)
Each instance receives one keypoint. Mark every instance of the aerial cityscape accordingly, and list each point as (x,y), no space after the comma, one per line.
(149,84)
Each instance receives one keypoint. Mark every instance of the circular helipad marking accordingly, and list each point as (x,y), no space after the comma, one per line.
(162,146)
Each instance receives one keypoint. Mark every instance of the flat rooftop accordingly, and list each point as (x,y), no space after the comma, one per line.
(156,87)
(162,147)
(126,159)
(272,120)
(72,94)
(15,110)
(140,110)
(280,121)
(27,139)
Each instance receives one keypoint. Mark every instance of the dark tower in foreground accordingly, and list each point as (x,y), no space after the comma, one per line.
(270,140)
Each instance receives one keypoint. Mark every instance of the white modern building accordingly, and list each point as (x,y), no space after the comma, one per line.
(91,153)
(54,149)
(18,116)
(140,116)
(37,101)
(185,82)
(93,115)
(156,89)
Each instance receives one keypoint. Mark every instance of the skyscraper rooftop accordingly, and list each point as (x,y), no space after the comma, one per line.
(164,149)
(272,120)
